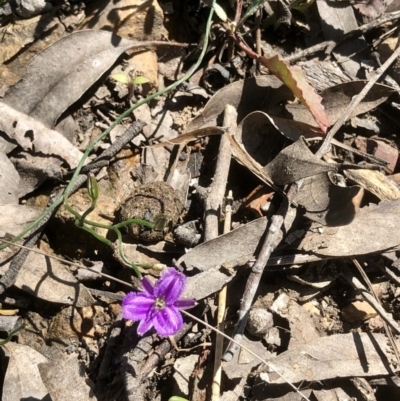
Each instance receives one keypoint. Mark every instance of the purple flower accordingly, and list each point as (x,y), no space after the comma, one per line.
(158,305)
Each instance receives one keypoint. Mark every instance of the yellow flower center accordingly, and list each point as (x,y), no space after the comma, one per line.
(159,303)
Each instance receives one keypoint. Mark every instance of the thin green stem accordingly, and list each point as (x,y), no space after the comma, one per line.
(10,335)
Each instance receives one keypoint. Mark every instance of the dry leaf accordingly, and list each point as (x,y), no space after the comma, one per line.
(22,378)
(296,162)
(337,20)
(372,8)
(9,181)
(59,75)
(373,229)
(66,380)
(374,182)
(33,136)
(15,218)
(261,93)
(294,78)
(338,97)
(328,203)
(340,355)
(49,280)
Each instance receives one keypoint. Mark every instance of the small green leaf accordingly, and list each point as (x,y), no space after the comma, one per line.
(220,12)
(92,187)
(140,80)
(160,222)
(124,79)
(304,5)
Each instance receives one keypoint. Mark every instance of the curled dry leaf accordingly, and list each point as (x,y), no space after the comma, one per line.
(296,162)
(328,203)
(290,129)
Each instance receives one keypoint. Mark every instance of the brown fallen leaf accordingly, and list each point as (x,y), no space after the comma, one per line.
(385,152)
(328,203)
(295,162)
(261,93)
(374,182)
(256,200)
(294,78)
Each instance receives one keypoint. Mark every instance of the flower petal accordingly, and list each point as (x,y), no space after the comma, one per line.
(168,321)
(170,286)
(137,306)
(144,326)
(147,286)
(184,303)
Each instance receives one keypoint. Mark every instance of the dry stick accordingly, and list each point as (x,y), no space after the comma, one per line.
(214,196)
(212,204)
(356,283)
(161,350)
(329,45)
(272,239)
(355,102)
(372,291)
(9,277)
(258,16)
(216,385)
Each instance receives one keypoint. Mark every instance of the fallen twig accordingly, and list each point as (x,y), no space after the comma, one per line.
(385,325)
(356,283)
(214,195)
(329,45)
(355,102)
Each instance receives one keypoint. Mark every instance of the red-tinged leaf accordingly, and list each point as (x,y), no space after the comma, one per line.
(294,79)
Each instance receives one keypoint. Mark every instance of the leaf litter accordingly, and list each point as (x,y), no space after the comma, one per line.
(346,205)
